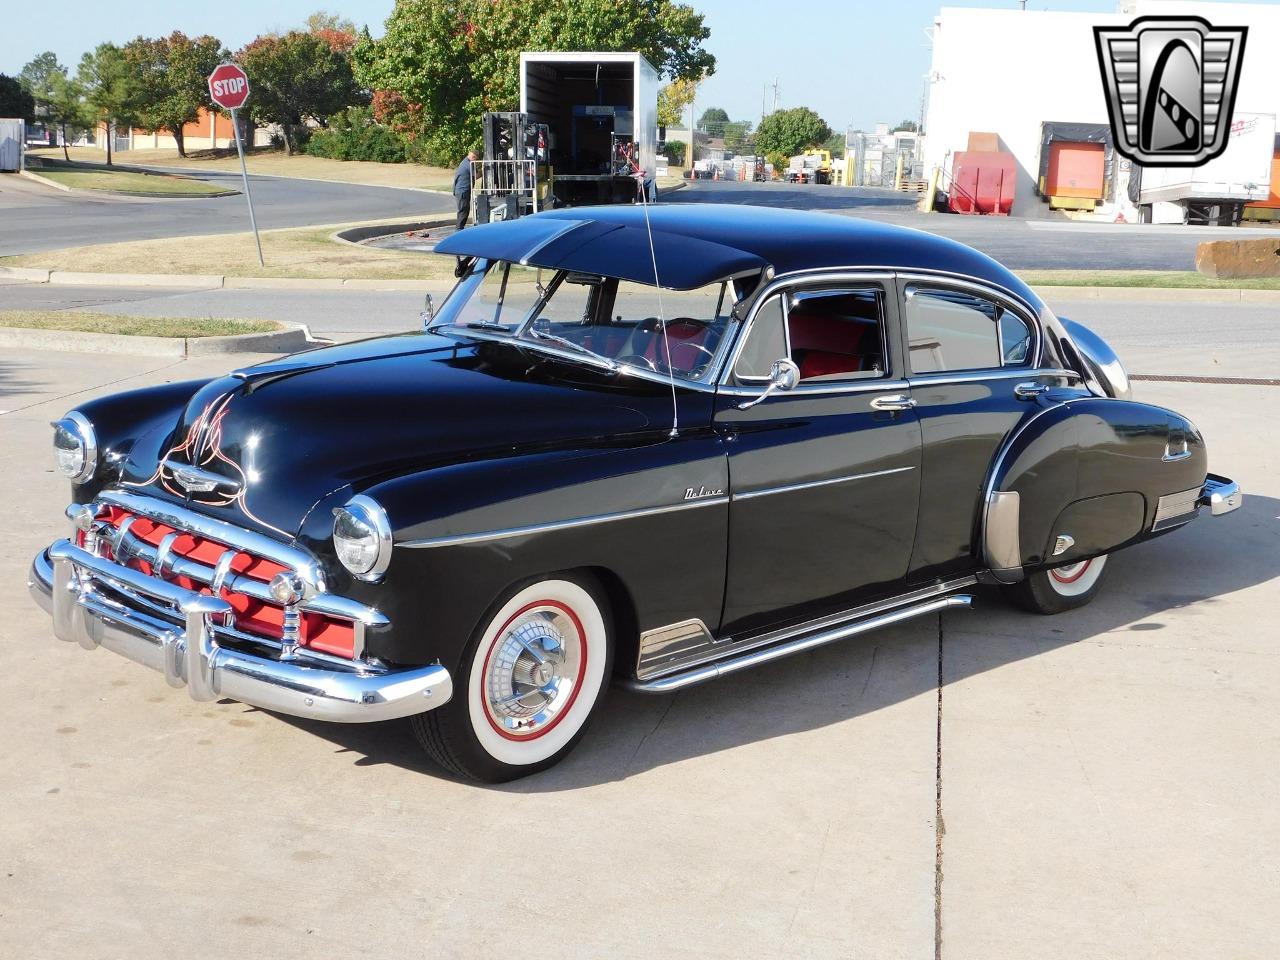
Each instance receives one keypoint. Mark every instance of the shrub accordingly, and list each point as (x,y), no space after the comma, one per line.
(674,152)
(355,135)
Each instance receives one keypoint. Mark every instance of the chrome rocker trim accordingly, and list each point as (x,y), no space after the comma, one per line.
(65,580)
(813,635)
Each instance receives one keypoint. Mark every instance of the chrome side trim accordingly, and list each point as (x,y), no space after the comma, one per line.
(509,532)
(726,647)
(824,388)
(712,671)
(791,487)
(1175,508)
(188,653)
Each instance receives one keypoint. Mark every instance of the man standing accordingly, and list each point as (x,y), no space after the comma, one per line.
(462,187)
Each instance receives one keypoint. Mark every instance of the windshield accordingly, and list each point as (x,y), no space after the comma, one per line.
(602,318)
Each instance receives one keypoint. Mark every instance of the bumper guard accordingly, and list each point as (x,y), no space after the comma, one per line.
(63,581)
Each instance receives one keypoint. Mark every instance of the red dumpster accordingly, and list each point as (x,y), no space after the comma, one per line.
(983,183)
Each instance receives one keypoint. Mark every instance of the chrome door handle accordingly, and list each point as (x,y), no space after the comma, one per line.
(896,401)
(1030,390)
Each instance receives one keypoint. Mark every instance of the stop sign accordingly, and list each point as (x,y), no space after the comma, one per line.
(229,86)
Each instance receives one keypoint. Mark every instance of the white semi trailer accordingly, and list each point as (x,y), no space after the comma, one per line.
(601,112)
(1216,192)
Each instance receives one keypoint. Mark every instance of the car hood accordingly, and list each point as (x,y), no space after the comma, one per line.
(275,439)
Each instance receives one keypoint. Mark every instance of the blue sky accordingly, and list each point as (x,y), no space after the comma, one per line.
(854,62)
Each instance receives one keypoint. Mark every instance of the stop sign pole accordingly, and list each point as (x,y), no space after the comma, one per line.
(229,89)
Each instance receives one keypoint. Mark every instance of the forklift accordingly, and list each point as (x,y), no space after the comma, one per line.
(515,176)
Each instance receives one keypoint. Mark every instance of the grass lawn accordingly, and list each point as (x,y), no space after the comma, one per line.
(1184,279)
(90,177)
(88,322)
(303,252)
(275,163)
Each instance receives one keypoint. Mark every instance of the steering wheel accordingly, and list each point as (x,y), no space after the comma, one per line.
(656,324)
(636,360)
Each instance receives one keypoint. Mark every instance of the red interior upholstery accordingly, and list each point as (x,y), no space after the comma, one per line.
(685,338)
(824,344)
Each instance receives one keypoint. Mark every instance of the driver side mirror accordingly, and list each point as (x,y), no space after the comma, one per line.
(783,375)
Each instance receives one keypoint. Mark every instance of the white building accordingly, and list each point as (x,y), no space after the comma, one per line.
(1008,71)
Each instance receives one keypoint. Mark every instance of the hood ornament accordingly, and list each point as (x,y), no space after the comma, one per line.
(195,480)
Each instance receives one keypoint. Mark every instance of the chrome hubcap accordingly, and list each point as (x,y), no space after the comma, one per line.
(532,671)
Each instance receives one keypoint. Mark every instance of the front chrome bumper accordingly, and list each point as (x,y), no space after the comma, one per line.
(65,581)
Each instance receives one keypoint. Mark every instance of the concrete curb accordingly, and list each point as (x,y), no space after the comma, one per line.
(663,191)
(296,337)
(29,274)
(76,278)
(1160,294)
(357,235)
(283,176)
(45,180)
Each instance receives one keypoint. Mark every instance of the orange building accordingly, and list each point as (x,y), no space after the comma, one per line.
(209,131)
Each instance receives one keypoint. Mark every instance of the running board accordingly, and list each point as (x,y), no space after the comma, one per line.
(712,671)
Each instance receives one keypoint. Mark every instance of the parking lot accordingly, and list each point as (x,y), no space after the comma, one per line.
(991,784)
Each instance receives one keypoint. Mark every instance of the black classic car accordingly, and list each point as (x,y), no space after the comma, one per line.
(661,445)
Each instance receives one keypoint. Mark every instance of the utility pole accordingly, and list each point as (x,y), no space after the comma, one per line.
(688,150)
(775,94)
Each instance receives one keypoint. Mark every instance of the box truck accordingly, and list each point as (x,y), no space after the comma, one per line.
(601,115)
(1216,192)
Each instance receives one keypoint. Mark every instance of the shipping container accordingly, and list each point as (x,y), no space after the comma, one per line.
(601,110)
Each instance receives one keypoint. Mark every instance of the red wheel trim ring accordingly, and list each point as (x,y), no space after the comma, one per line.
(577,683)
(1075,576)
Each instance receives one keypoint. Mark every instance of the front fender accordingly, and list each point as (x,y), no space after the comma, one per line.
(1088,468)
(650,517)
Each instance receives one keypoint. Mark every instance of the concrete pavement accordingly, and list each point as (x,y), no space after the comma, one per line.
(34,217)
(1105,778)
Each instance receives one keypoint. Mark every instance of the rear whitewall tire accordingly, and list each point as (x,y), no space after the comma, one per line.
(1060,589)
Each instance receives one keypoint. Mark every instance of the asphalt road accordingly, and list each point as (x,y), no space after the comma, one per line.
(1187,337)
(1022,244)
(34,217)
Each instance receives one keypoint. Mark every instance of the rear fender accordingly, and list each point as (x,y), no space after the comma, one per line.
(1091,470)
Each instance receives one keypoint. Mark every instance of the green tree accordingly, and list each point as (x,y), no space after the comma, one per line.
(712,121)
(908,125)
(736,134)
(66,109)
(38,78)
(299,77)
(322,21)
(15,99)
(108,94)
(673,100)
(835,145)
(789,132)
(169,80)
(443,63)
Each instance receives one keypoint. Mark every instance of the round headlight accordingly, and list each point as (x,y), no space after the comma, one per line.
(75,448)
(362,538)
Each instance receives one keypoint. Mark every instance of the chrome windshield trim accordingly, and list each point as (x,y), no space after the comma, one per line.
(809,485)
(509,532)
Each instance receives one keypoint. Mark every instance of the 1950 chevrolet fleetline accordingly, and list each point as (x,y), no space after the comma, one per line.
(662,444)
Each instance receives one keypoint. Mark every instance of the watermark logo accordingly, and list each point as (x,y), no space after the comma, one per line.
(1171,87)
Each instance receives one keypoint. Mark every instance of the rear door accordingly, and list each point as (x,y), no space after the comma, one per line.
(972,359)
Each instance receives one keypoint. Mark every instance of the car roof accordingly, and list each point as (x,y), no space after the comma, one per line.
(699,243)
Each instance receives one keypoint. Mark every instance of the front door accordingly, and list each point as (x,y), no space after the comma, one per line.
(824,478)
